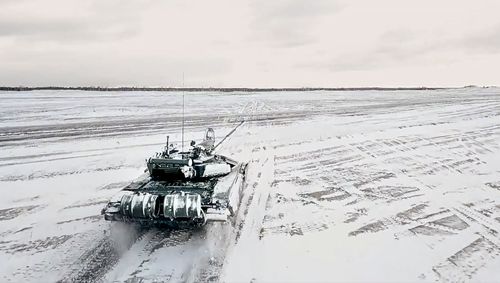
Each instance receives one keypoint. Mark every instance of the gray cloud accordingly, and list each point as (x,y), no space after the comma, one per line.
(64,30)
(73,66)
(288,23)
(403,46)
(95,21)
(486,41)
(393,47)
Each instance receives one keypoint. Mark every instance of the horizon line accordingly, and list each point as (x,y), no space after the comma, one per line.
(225,89)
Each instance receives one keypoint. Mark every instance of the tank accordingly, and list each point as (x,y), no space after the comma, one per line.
(191,187)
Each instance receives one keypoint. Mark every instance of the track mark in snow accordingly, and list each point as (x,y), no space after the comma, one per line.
(114,186)
(494,185)
(13,212)
(241,223)
(94,263)
(85,204)
(247,233)
(45,175)
(36,246)
(419,215)
(461,266)
(330,194)
(137,257)
(91,218)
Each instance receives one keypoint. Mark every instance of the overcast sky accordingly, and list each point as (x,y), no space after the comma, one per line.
(258,43)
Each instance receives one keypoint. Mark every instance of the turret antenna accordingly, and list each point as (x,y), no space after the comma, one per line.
(182,144)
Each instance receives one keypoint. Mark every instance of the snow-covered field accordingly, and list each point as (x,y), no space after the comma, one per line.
(341,186)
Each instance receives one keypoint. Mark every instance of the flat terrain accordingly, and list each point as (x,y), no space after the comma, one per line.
(341,186)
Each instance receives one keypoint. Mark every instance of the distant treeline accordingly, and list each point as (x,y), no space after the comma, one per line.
(216,89)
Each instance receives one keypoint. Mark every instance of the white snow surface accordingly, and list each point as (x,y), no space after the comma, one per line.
(341,186)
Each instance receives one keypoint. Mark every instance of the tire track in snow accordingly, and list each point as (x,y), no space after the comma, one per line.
(261,169)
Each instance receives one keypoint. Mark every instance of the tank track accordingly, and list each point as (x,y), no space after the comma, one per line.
(163,203)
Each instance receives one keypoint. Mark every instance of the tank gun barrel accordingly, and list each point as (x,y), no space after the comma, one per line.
(230,133)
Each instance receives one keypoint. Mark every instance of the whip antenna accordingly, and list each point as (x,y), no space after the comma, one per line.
(182,147)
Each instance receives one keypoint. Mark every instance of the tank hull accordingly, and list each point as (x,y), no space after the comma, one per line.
(165,203)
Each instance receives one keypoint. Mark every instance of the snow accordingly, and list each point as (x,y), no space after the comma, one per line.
(341,186)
